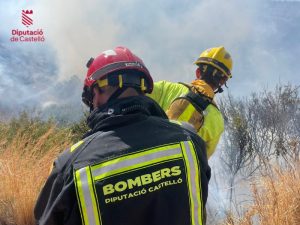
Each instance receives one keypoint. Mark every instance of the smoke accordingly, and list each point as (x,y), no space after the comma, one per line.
(261,36)
(169,35)
(76,30)
(164,34)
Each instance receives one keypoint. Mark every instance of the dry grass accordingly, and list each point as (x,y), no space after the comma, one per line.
(276,199)
(28,147)
(25,161)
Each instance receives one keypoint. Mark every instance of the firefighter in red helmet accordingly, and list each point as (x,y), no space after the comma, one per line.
(118,68)
(134,166)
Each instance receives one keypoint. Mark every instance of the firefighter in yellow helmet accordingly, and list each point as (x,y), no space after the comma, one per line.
(194,103)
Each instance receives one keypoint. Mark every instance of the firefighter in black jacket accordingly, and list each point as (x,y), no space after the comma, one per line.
(134,167)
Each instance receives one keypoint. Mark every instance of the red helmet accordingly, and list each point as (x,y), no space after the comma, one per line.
(118,67)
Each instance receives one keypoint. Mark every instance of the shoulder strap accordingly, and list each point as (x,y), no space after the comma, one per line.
(204,97)
(198,100)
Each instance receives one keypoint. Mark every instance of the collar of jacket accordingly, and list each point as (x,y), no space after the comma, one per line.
(121,111)
(203,88)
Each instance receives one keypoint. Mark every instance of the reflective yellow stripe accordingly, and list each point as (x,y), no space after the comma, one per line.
(138,154)
(76,145)
(193,169)
(120,81)
(137,160)
(88,202)
(198,193)
(81,199)
(93,196)
(143,87)
(138,165)
(102,83)
(187,113)
(175,121)
(189,182)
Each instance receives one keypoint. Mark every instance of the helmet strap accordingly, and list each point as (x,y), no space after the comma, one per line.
(220,89)
(91,101)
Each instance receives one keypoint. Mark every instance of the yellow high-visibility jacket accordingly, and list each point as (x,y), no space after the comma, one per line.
(165,92)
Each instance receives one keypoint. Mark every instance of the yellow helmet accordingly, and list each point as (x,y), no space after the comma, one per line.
(217,57)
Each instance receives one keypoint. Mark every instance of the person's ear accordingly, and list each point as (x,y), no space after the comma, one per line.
(95,90)
(97,97)
(198,73)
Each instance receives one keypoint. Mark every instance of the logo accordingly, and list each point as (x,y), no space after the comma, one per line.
(26,20)
(142,180)
(133,64)
(27,35)
(141,185)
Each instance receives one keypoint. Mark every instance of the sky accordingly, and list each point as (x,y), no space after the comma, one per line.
(262,37)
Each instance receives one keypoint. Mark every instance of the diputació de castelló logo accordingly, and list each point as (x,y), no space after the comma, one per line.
(28,35)
(26,20)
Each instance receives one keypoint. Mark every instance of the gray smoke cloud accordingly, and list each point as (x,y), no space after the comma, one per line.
(170,35)
(262,37)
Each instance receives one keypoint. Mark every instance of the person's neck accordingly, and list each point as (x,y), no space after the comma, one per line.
(129,92)
(211,85)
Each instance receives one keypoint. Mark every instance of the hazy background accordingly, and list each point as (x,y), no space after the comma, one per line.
(262,36)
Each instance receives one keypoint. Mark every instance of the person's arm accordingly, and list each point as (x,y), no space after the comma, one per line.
(57,202)
(164,93)
(211,129)
(158,92)
(47,210)
(210,140)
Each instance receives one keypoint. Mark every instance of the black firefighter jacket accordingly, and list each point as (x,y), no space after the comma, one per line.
(133,168)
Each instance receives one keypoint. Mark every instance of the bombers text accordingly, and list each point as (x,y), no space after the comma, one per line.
(141,180)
